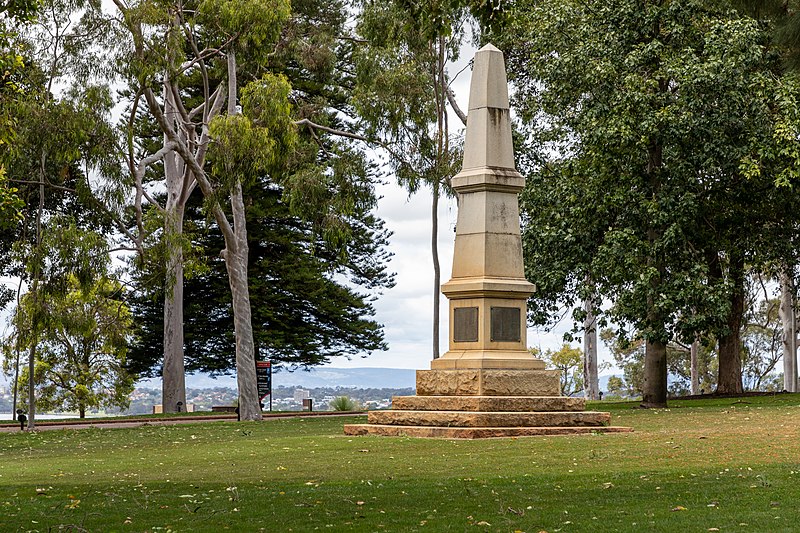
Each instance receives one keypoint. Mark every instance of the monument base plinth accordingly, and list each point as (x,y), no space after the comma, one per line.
(488,382)
(489,359)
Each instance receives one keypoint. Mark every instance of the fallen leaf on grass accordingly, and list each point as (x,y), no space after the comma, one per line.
(678,508)
(74,504)
(483,523)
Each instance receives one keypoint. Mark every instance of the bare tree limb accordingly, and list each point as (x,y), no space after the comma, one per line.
(202,107)
(131,120)
(202,143)
(168,147)
(334,131)
(451,98)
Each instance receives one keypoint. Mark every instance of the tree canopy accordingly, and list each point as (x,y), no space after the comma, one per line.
(639,164)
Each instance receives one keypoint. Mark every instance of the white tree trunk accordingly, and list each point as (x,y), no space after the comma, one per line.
(31,385)
(173,384)
(437,270)
(788,321)
(590,377)
(235,255)
(694,367)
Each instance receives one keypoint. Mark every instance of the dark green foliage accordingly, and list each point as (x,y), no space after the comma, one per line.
(657,140)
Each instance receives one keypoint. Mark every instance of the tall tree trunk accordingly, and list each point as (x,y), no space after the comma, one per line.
(654,384)
(173,384)
(437,270)
(694,365)
(236,263)
(236,260)
(442,151)
(789,338)
(590,377)
(729,380)
(81,411)
(31,372)
(17,350)
(35,293)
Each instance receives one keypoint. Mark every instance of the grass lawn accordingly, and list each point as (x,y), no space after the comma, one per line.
(726,465)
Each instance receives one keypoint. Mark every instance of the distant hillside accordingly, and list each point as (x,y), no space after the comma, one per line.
(362,378)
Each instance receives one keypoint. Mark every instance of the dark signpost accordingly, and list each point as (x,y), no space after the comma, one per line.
(264,381)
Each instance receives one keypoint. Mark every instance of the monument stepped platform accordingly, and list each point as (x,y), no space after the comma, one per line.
(488,418)
(487,403)
(436,412)
(439,432)
(458,417)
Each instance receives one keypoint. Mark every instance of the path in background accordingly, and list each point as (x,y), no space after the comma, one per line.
(47,426)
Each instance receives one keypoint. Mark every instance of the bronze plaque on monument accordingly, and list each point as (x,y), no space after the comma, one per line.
(465,324)
(505,324)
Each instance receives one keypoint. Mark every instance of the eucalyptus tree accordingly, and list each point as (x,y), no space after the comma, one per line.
(402,94)
(785,31)
(83,328)
(641,182)
(63,169)
(172,44)
(285,125)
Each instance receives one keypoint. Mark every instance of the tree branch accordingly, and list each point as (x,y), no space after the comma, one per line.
(191,162)
(139,177)
(340,133)
(451,98)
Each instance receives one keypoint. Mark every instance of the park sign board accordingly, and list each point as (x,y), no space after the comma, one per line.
(264,378)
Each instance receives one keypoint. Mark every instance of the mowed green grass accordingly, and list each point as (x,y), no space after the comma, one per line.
(727,465)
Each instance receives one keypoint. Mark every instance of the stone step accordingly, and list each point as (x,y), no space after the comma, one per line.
(488,382)
(475,433)
(488,419)
(487,403)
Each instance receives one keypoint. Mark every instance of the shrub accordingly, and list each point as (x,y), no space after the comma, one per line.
(344,403)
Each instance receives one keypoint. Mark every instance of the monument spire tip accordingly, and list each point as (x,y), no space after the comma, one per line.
(489,47)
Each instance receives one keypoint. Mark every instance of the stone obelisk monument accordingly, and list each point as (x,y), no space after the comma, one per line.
(487,384)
